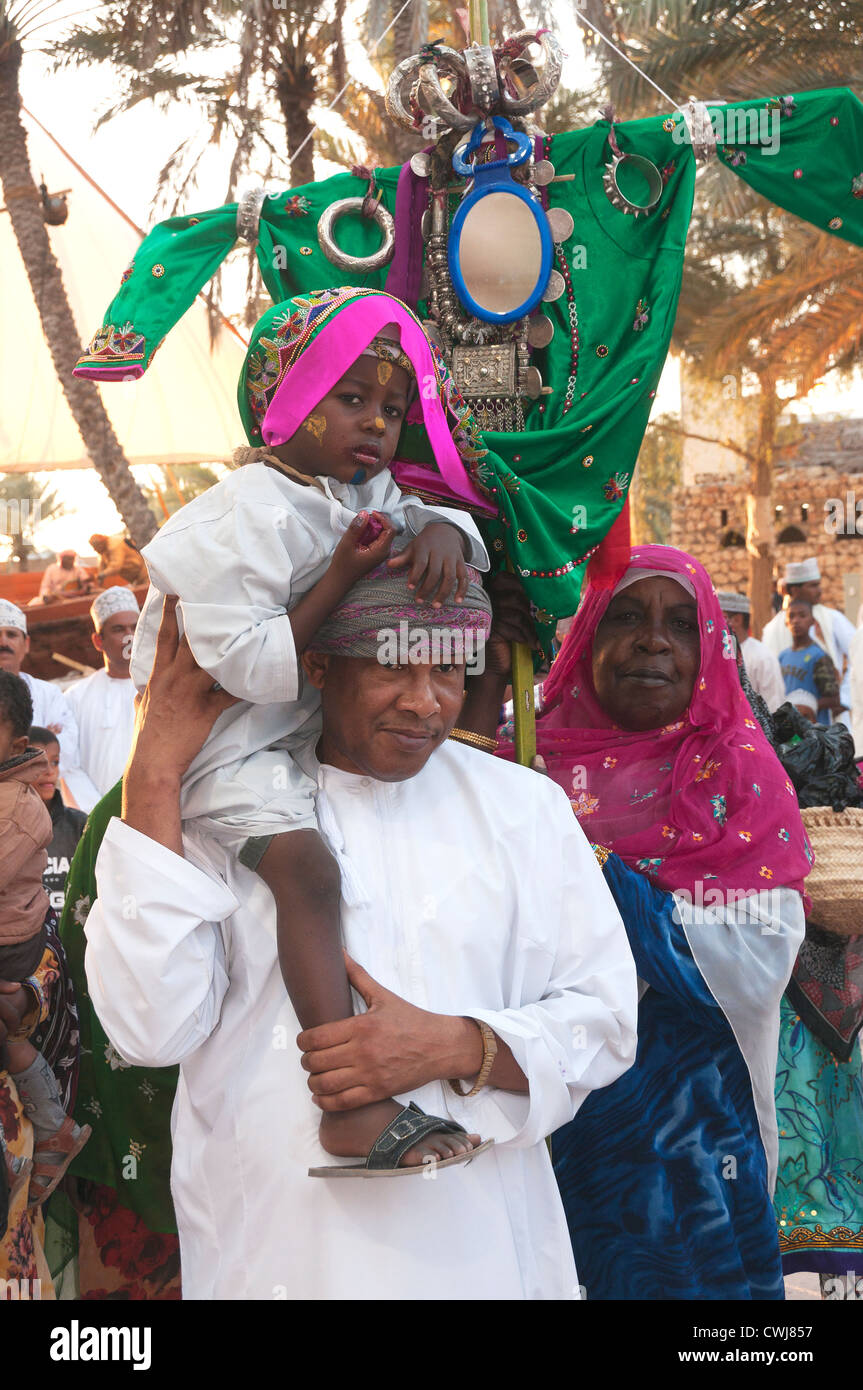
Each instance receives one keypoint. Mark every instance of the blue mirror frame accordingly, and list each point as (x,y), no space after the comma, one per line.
(495,177)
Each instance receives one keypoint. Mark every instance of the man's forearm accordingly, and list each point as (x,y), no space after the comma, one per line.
(464,1057)
(151,804)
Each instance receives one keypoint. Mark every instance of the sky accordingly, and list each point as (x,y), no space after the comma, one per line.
(125,156)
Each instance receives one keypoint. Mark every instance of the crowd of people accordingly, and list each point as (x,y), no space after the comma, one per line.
(318,928)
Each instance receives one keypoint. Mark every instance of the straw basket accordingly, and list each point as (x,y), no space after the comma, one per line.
(835,884)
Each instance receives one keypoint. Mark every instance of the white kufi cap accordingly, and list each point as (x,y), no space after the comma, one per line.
(11,615)
(802,572)
(117,599)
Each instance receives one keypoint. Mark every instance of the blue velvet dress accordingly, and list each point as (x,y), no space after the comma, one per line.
(663,1174)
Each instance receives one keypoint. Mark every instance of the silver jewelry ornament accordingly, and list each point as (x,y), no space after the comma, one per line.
(249,214)
(561,223)
(543,172)
(341,259)
(648,171)
(700,128)
(421,163)
(546,85)
(540,331)
(482,75)
(555,287)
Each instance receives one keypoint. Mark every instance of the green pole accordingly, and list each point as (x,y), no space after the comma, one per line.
(478,21)
(523,706)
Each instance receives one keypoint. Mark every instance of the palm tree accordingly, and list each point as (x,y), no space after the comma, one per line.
(801,296)
(181,484)
(18,19)
(24,504)
(279,61)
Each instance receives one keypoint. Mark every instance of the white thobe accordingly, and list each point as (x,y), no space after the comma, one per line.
(51,708)
(765,673)
(831,629)
(105,713)
(239,556)
(479,896)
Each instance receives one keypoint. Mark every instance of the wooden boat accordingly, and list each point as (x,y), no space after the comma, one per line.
(63,626)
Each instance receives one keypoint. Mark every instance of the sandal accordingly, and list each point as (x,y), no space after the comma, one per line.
(393,1142)
(68,1141)
(19,1175)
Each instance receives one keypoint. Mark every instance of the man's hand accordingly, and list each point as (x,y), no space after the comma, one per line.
(179,705)
(352,558)
(176,713)
(510,622)
(437,563)
(392,1049)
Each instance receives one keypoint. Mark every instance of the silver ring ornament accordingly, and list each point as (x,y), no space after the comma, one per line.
(548,82)
(648,171)
(700,128)
(404,78)
(340,258)
(482,75)
(437,101)
(249,214)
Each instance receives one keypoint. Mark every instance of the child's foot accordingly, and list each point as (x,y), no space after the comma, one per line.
(352,1133)
(52,1156)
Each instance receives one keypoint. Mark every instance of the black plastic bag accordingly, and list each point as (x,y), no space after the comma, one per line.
(818,759)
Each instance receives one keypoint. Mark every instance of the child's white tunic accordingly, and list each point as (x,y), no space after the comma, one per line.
(239,557)
(481,897)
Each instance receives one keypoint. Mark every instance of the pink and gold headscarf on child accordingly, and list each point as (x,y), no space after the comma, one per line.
(300,348)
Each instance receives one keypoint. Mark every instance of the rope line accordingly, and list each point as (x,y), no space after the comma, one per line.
(338,96)
(621,54)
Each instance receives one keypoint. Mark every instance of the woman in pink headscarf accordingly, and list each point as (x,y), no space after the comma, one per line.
(667,1174)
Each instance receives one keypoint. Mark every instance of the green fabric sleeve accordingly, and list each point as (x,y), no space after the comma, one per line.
(174,261)
(803,152)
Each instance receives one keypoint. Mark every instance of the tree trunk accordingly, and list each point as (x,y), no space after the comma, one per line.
(403,33)
(58,325)
(759,508)
(295,93)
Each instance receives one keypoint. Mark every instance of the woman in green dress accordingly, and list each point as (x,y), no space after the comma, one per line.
(110,1228)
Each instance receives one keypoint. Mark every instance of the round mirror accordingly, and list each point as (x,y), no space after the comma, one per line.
(500,253)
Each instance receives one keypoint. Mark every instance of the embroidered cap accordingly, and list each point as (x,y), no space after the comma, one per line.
(117,599)
(11,615)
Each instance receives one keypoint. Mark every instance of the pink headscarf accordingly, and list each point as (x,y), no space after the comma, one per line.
(704,799)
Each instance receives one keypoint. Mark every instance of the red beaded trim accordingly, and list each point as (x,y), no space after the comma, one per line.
(561,569)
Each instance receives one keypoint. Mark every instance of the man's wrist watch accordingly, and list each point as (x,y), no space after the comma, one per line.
(489,1052)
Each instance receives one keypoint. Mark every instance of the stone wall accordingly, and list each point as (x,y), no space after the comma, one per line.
(712,512)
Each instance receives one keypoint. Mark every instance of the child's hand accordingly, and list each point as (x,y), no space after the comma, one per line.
(437,563)
(351,558)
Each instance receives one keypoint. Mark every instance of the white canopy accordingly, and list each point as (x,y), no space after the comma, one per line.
(184,409)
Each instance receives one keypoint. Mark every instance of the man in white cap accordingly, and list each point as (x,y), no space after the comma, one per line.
(762,667)
(51,709)
(103,703)
(830,628)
